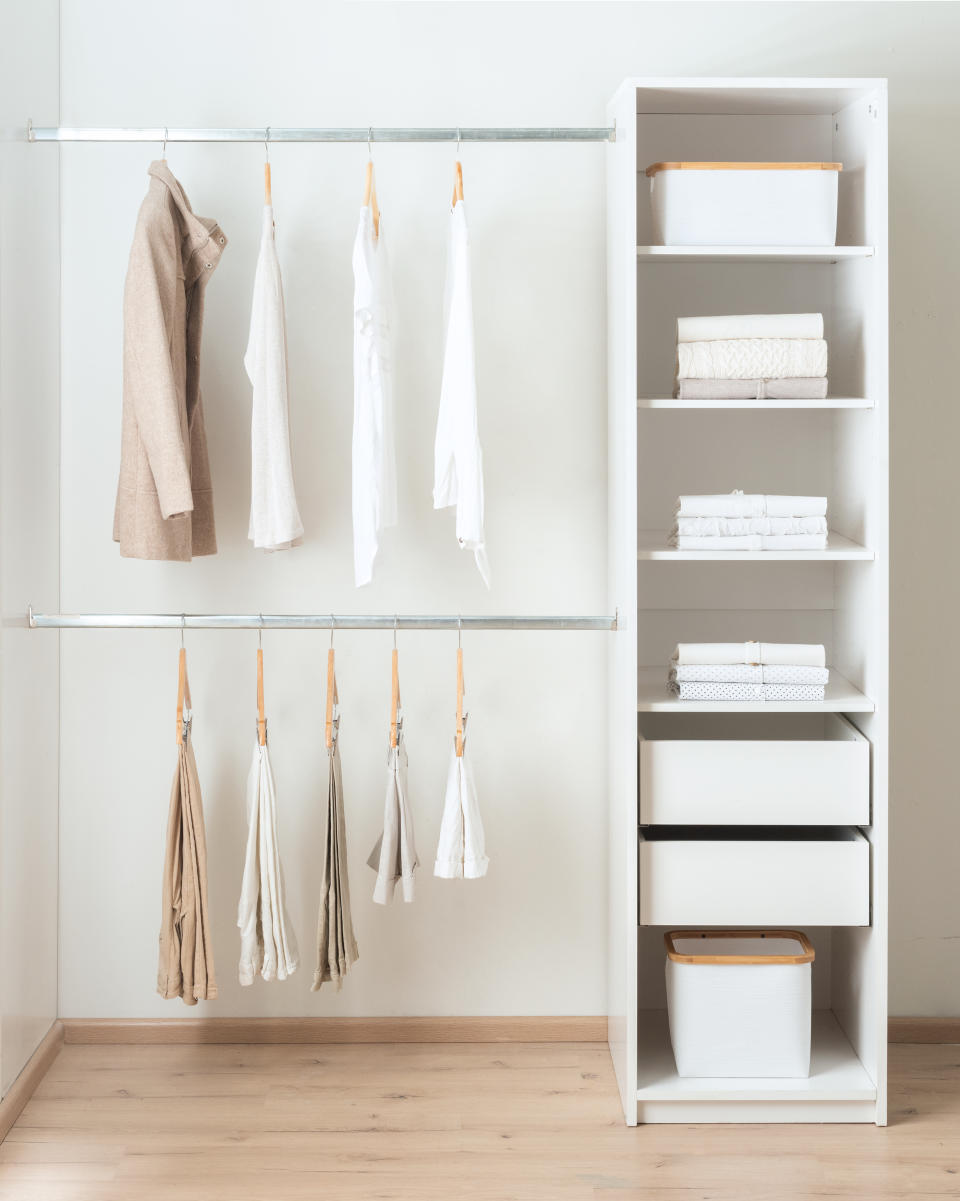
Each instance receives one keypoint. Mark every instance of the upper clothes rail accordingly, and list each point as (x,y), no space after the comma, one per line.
(66,133)
(308,621)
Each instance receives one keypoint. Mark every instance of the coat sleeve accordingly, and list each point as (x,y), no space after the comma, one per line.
(149,310)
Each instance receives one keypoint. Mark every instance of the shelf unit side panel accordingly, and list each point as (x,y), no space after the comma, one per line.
(622,598)
(861,618)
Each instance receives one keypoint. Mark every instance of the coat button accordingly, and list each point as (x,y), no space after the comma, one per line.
(222,239)
(208,265)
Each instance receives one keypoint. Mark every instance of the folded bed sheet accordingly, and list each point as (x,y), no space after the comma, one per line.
(747,673)
(790,654)
(752,325)
(748,692)
(736,504)
(809,388)
(732,527)
(752,542)
(752,358)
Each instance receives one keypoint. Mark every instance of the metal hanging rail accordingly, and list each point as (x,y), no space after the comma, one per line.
(306,621)
(70,133)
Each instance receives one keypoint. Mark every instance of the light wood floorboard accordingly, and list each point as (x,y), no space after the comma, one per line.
(478,1122)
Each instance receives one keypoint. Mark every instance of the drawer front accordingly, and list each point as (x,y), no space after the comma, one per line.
(716,782)
(732,883)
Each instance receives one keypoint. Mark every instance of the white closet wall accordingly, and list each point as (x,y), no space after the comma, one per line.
(505,944)
(29,535)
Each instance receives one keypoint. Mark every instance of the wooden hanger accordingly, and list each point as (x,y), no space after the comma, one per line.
(394,698)
(183,694)
(370,198)
(261,716)
(267,189)
(457,183)
(459,703)
(332,697)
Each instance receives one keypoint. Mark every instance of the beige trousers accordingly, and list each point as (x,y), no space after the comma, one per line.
(186,955)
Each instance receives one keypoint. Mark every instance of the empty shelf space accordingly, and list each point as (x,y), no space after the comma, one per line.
(654,544)
(836,1074)
(830,402)
(751,254)
(654,696)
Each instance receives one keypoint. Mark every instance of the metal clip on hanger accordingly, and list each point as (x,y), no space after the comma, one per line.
(332,723)
(459,691)
(395,720)
(183,690)
(261,715)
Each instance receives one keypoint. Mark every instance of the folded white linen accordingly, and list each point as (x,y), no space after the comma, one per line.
(735,504)
(755,325)
(732,527)
(752,542)
(748,358)
(790,654)
(748,673)
(748,692)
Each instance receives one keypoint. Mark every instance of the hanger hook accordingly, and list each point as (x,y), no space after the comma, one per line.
(260,633)
(163,151)
(183,626)
(266,143)
(458,141)
(395,623)
(459,631)
(333,622)
(369,140)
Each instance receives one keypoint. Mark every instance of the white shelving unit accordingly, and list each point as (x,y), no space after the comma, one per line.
(660,447)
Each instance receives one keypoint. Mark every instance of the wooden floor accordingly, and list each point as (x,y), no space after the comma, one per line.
(462,1121)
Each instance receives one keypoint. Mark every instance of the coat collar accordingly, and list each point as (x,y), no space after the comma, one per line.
(203,241)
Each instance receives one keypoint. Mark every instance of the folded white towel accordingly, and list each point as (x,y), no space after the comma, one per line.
(756,325)
(748,673)
(791,654)
(735,504)
(753,542)
(748,692)
(732,527)
(748,358)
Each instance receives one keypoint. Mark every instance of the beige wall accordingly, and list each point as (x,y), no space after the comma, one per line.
(29,544)
(531,937)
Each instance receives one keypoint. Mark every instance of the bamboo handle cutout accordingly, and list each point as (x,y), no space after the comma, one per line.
(331,696)
(394,700)
(267,189)
(183,690)
(261,718)
(459,703)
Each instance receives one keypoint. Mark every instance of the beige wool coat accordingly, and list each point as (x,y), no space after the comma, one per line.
(165,497)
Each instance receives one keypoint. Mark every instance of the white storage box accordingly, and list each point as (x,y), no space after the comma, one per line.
(744,204)
(755,769)
(745,876)
(739,1002)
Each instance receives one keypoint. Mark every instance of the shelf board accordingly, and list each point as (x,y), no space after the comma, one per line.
(654,544)
(654,696)
(751,254)
(831,402)
(836,1074)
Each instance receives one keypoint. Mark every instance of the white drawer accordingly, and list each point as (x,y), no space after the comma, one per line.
(725,876)
(753,769)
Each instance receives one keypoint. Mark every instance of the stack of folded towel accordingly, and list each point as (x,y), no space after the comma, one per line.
(769,356)
(738,522)
(748,671)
